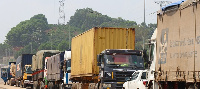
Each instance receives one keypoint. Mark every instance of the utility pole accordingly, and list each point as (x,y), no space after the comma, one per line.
(163,3)
(144,11)
(51,41)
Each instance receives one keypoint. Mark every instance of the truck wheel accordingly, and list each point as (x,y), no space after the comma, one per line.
(25,85)
(12,82)
(35,84)
(16,83)
(21,84)
(50,85)
(41,85)
(8,82)
(60,86)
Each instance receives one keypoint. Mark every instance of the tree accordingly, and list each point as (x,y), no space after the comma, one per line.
(32,30)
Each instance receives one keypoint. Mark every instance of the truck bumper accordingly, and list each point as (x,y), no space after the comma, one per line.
(28,82)
(113,85)
(67,86)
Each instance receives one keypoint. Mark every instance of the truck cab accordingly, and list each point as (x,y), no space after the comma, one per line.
(4,74)
(118,64)
(67,70)
(152,62)
(27,76)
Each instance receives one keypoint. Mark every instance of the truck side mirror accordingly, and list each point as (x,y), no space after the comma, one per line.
(99,59)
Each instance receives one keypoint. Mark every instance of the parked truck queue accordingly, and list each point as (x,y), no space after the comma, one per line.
(105,57)
(100,58)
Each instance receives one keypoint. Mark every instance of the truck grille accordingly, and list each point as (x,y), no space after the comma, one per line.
(121,76)
(29,77)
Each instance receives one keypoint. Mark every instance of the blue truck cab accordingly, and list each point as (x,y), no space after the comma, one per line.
(5,72)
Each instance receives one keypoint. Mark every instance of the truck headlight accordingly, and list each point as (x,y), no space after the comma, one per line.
(109,74)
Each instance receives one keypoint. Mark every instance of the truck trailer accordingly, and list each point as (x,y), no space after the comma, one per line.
(38,67)
(23,75)
(177,46)
(114,63)
(55,71)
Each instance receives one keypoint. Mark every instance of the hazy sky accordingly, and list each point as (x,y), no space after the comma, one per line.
(15,11)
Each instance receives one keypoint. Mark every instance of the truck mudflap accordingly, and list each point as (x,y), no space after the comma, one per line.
(113,85)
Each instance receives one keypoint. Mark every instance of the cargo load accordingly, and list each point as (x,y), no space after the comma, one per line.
(86,47)
(38,67)
(177,46)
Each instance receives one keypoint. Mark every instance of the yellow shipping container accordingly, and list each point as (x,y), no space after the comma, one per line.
(86,47)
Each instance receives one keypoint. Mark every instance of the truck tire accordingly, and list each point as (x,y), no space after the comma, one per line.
(35,85)
(8,82)
(51,86)
(59,86)
(41,85)
(17,82)
(20,85)
(11,82)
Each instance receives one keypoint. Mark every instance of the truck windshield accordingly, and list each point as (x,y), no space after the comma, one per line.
(4,72)
(124,60)
(28,69)
(69,63)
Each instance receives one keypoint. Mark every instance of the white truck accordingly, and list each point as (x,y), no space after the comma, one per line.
(67,70)
(152,59)
(137,81)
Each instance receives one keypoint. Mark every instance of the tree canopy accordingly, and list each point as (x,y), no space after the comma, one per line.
(36,34)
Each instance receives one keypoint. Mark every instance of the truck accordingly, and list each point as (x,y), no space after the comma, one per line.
(5,73)
(103,57)
(38,67)
(11,73)
(177,45)
(137,81)
(67,70)
(55,71)
(23,75)
(152,84)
